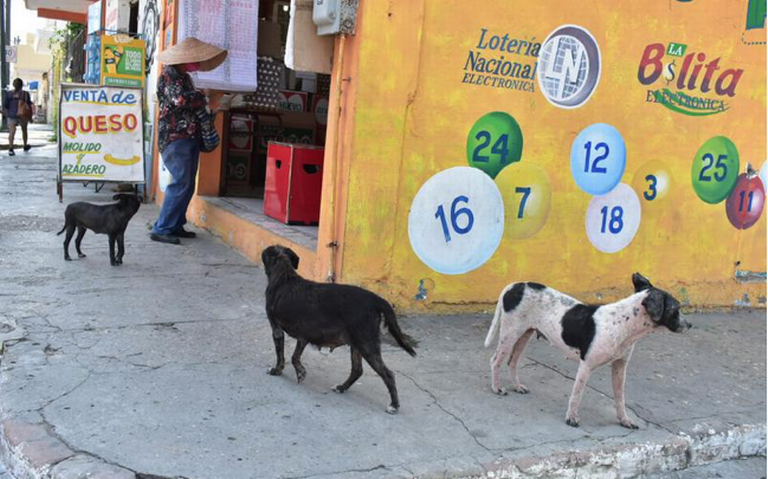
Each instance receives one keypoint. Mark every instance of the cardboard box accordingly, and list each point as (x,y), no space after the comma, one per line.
(269,44)
(293,101)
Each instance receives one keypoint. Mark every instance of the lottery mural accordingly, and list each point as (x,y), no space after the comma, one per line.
(556,142)
(590,141)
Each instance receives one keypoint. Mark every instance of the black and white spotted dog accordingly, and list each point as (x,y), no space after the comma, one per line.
(595,335)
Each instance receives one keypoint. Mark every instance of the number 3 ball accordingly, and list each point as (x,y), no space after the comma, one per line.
(494,142)
(652,182)
(746,203)
(715,169)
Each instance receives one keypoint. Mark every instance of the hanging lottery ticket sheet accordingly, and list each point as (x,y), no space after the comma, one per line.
(231,25)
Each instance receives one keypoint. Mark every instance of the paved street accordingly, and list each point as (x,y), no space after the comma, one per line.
(157,369)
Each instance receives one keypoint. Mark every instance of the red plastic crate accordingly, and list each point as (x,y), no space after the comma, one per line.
(294,183)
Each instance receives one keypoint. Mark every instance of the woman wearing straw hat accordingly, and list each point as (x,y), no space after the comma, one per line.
(179,130)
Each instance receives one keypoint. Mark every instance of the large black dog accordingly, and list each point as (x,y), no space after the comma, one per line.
(111,219)
(328,315)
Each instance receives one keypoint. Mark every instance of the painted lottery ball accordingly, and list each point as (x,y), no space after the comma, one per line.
(527,194)
(652,182)
(715,169)
(598,158)
(612,220)
(746,202)
(456,220)
(494,142)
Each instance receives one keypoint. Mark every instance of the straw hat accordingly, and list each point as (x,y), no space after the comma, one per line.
(192,50)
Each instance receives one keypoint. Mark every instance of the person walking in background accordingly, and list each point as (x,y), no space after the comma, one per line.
(180,130)
(17,108)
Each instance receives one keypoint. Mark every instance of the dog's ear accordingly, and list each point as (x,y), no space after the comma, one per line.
(293,256)
(654,304)
(640,282)
(671,304)
(266,259)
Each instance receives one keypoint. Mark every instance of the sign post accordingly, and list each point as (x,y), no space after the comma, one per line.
(100,135)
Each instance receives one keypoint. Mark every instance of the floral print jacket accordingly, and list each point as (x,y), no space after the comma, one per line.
(178,102)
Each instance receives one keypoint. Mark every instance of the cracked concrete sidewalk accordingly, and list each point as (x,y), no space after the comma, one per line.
(157,369)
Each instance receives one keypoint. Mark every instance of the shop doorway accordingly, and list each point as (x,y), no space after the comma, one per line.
(297,115)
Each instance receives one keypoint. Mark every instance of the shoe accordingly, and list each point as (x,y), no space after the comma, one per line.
(164,238)
(27,147)
(182,233)
(11,153)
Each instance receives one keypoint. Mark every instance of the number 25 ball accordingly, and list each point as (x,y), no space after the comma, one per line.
(746,203)
(494,142)
(598,158)
(715,169)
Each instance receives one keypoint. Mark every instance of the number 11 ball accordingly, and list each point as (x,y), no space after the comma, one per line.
(746,203)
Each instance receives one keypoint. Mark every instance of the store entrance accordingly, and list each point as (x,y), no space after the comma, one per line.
(289,108)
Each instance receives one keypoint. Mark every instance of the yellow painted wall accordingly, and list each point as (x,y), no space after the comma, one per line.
(413,114)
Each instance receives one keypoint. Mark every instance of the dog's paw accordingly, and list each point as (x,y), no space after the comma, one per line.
(300,375)
(573,421)
(339,388)
(392,409)
(67,258)
(81,255)
(628,424)
(275,371)
(520,389)
(114,263)
(499,391)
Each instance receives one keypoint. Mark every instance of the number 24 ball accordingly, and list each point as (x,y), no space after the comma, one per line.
(494,142)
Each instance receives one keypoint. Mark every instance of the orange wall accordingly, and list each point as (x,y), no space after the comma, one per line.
(413,115)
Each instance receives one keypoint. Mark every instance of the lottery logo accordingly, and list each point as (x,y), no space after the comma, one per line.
(715,169)
(456,220)
(494,142)
(598,158)
(613,219)
(569,66)
(527,194)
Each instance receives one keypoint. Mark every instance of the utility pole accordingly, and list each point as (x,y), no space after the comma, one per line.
(3,63)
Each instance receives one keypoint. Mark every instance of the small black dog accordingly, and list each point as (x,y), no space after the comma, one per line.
(328,315)
(111,219)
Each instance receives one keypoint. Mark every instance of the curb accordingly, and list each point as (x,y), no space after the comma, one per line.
(31,451)
(700,447)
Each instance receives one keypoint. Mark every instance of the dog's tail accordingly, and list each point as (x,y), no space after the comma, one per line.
(406,342)
(495,322)
(62,229)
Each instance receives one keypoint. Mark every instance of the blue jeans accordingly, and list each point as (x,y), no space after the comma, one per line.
(181,158)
